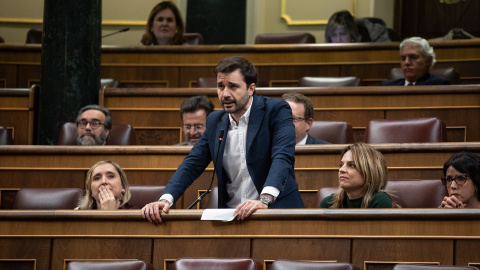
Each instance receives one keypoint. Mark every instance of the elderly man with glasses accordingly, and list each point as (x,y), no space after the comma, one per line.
(94,123)
(194,112)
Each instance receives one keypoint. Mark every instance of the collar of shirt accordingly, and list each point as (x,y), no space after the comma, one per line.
(409,83)
(303,141)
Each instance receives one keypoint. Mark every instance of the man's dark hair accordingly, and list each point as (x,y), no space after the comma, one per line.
(196,103)
(105,111)
(232,63)
(300,98)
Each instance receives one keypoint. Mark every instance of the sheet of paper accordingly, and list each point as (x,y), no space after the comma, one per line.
(218,214)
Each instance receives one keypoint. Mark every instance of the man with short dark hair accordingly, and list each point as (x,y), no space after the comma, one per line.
(302,112)
(94,124)
(254,140)
(194,112)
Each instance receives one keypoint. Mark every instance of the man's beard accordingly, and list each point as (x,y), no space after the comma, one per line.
(92,140)
(239,104)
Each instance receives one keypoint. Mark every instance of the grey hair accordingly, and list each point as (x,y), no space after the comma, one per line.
(426,50)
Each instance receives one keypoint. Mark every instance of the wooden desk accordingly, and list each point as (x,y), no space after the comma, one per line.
(369,238)
(154,112)
(278,64)
(17,109)
(316,166)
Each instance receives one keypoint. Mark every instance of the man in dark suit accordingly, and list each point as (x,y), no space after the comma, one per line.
(194,112)
(302,112)
(417,59)
(252,144)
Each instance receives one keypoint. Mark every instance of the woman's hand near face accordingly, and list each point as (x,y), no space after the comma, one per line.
(452,202)
(107,200)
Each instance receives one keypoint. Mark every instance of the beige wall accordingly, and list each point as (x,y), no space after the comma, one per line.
(263,16)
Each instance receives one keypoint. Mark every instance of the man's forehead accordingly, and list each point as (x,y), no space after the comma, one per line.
(235,77)
(92,114)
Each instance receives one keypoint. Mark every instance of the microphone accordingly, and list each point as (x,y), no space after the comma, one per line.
(220,139)
(119,31)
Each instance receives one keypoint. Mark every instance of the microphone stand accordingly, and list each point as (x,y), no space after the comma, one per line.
(220,139)
(119,31)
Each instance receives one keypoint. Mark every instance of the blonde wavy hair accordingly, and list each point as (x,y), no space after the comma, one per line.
(88,202)
(373,168)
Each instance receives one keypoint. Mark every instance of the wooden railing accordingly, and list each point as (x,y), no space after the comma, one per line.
(154,112)
(316,166)
(368,238)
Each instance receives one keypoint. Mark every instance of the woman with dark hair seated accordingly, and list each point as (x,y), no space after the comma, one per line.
(362,178)
(462,178)
(164,25)
(106,188)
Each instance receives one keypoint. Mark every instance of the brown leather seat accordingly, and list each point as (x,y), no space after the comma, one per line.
(332,131)
(417,130)
(417,193)
(47,198)
(109,265)
(193,38)
(311,265)
(216,264)
(322,193)
(119,135)
(34,36)
(5,136)
(207,82)
(432,267)
(448,73)
(329,81)
(284,38)
(142,195)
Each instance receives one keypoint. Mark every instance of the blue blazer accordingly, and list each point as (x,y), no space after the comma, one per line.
(270,153)
(426,79)
(312,140)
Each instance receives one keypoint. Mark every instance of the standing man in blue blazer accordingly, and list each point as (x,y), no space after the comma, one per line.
(252,144)
(417,59)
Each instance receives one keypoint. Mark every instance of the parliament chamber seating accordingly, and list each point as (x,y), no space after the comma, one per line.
(216,264)
(311,265)
(47,198)
(432,267)
(121,134)
(34,36)
(329,81)
(109,265)
(109,82)
(142,195)
(322,193)
(416,130)
(417,193)
(5,136)
(284,38)
(448,73)
(207,82)
(193,38)
(332,131)
(406,193)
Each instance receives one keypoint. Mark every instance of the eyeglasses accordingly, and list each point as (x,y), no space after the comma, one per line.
(196,127)
(459,179)
(298,119)
(93,124)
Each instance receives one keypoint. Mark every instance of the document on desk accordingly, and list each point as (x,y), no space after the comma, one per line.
(224,215)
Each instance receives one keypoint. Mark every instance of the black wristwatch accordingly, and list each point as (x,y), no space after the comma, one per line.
(265,200)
